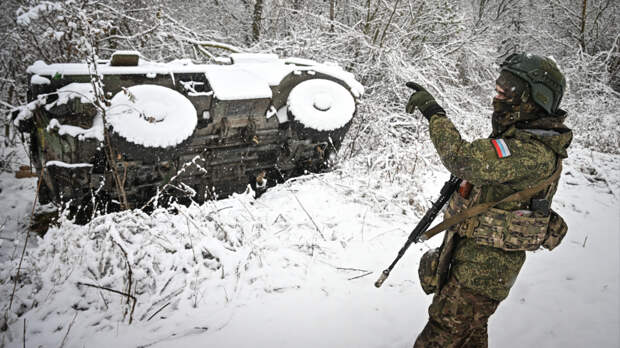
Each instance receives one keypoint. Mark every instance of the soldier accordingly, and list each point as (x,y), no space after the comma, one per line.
(478,262)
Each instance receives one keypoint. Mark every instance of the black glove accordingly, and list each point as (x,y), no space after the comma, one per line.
(424,101)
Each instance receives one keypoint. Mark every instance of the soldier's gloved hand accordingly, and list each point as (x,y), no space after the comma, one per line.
(423,100)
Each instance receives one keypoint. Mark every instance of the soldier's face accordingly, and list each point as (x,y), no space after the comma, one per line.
(500,93)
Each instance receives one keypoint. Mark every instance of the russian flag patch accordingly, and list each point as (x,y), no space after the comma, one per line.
(501,148)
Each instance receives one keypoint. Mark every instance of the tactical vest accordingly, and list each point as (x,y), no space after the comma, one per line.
(509,229)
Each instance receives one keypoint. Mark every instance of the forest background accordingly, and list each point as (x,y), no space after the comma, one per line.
(451,47)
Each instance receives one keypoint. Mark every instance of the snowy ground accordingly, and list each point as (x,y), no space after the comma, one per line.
(293,269)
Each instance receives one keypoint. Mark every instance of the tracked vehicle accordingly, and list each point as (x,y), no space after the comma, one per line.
(180,130)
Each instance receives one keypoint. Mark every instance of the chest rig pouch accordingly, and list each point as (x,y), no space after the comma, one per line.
(556,231)
(509,230)
(505,230)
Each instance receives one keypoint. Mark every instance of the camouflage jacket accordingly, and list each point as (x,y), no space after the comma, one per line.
(498,167)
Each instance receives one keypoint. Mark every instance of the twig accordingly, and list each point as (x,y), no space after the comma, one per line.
(214,44)
(360,276)
(169,183)
(191,242)
(364,223)
(584,241)
(7,105)
(129,274)
(278,218)
(194,223)
(246,209)
(122,14)
(110,151)
(24,333)
(130,37)
(352,269)
(215,221)
(204,51)
(107,289)
(159,310)
(388,23)
(133,307)
(195,295)
(64,339)
(100,293)
(308,214)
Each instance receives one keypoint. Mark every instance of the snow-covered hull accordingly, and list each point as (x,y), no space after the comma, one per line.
(182,130)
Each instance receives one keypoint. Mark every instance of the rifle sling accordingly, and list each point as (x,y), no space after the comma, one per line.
(483,207)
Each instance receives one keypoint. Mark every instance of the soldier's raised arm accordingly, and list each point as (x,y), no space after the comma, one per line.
(483,161)
(489,161)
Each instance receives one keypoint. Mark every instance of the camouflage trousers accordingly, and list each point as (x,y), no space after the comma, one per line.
(480,278)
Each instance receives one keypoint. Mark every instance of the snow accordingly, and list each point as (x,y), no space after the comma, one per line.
(126,53)
(321,104)
(67,165)
(272,111)
(25,112)
(39,80)
(58,35)
(289,269)
(38,66)
(82,91)
(244,58)
(234,83)
(271,74)
(323,101)
(282,114)
(299,61)
(152,116)
(94,132)
(16,200)
(25,18)
(249,77)
(334,70)
(223,60)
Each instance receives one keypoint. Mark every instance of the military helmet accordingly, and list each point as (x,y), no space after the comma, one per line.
(546,81)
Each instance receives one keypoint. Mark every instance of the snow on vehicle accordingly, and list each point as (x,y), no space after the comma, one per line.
(195,131)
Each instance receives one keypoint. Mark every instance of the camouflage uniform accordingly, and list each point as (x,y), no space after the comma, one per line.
(480,276)
(480,258)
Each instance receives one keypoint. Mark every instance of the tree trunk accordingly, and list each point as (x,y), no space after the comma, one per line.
(257,20)
(582,32)
(331,14)
(7,128)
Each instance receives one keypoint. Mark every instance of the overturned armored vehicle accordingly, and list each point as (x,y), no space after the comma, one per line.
(134,132)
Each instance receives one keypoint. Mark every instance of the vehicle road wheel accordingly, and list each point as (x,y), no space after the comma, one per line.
(321,109)
(150,121)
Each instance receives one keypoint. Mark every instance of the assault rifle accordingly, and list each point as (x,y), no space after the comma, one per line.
(417,235)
